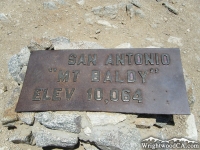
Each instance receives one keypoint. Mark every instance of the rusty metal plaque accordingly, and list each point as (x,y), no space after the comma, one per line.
(146,80)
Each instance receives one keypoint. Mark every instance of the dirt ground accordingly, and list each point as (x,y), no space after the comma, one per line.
(28,19)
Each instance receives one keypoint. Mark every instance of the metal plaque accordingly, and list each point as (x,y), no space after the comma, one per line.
(139,80)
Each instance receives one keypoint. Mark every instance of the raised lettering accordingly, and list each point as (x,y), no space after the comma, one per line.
(120,59)
(129,57)
(117,77)
(72,59)
(44,97)
(92,59)
(98,94)
(165,58)
(138,95)
(125,95)
(89,93)
(149,59)
(143,75)
(109,60)
(95,76)
(108,77)
(131,76)
(114,95)
(81,60)
(76,72)
(36,95)
(69,94)
(56,94)
(138,59)
(157,59)
(63,76)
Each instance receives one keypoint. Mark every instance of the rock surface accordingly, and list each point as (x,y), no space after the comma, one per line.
(21,135)
(89,147)
(40,44)
(124,45)
(3,88)
(81,45)
(101,118)
(136,3)
(191,128)
(9,114)
(175,40)
(80,2)
(46,137)
(17,62)
(3,17)
(170,8)
(60,43)
(26,117)
(115,138)
(49,5)
(67,121)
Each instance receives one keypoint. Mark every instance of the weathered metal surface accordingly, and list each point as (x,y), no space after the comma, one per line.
(119,80)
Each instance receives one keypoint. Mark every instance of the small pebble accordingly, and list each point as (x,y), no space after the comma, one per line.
(98,31)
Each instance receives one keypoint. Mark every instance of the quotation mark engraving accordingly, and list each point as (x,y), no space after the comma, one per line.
(52,69)
(154,70)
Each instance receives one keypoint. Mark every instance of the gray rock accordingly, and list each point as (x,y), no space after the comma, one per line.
(21,75)
(21,135)
(46,137)
(40,44)
(3,17)
(3,88)
(122,5)
(17,62)
(98,11)
(139,13)
(8,118)
(26,117)
(89,147)
(170,8)
(4,148)
(89,18)
(49,5)
(162,120)
(9,115)
(107,11)
(130,11)
(136,3)
(175,40)
(115,137)
(124,45)
(61,2)
(97,31)
(83,45)
(102,118)
(14,67)
(190,90)
(80,2)
(67,121)
(87,131)
(111,11)
(13,99)
(60,43)
(191,128)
